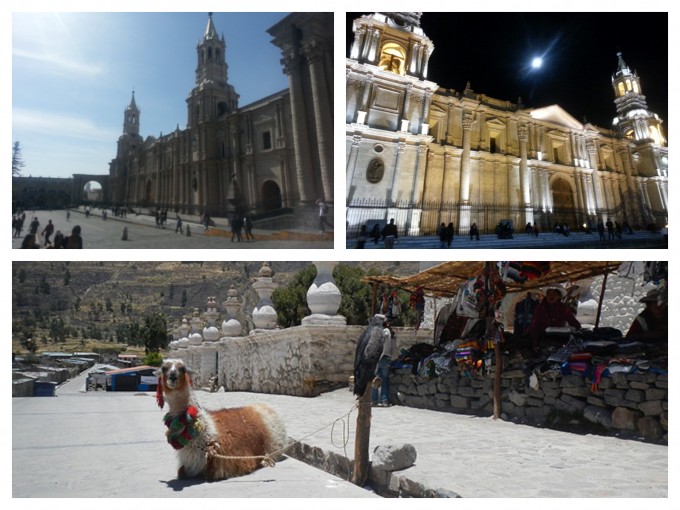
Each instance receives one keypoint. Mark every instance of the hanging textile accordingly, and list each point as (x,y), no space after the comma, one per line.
(417,302)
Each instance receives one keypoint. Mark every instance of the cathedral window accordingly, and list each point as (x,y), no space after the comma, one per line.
(629,134)
(393,59)
(267,140)
(636,89)
(622,90)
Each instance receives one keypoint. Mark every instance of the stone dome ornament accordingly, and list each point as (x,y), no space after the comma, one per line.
(231,326)
(264,314)
(323,297)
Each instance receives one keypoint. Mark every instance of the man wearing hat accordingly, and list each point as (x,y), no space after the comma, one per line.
(652,323)
(551,313)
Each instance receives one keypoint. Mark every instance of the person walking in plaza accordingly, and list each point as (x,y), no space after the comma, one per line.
(33,226)
(441,232)
(362,237)
(178,225)
(248,226)
(390,234)
(47,232)
(610,228)
(236,227)
(449,234)
(323,215)
(600,231)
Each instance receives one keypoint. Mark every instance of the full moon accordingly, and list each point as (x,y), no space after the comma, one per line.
(537,62)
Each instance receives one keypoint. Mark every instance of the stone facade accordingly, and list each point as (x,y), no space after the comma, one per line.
(411,142)
(273,154)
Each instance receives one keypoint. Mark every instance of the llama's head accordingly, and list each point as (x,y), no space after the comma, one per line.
(173,377)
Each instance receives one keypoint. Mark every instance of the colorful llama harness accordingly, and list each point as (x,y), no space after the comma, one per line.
(183,427)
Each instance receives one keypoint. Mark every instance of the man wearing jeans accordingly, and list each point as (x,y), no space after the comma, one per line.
(381,398)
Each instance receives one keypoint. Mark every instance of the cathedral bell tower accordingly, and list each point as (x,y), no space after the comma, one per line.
(634,121)
(212,98)
(130,139)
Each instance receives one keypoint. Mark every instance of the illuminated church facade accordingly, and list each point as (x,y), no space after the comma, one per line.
(423,154)
(272,155)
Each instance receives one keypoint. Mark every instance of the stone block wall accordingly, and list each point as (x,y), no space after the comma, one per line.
(300,361)
(628,405)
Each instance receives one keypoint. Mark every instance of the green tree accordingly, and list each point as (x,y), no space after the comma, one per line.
(17,160)
(290,301)
(154,333)
(356,295)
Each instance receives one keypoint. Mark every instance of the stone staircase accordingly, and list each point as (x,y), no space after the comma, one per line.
(577,240)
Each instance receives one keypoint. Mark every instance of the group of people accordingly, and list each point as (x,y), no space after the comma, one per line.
(42,238)
(650,325)
(614,229)
(239,223)
(445,233)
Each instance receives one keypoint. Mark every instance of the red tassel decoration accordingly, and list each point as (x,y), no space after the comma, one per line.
(159,394)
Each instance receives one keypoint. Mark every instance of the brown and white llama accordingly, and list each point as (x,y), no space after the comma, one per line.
(216,444)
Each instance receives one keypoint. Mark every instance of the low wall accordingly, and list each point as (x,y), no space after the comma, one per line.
(633,405)
(300,361)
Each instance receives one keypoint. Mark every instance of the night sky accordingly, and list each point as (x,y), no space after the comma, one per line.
(493,52)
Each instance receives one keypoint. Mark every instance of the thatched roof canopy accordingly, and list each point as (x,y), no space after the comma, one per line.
(444,279)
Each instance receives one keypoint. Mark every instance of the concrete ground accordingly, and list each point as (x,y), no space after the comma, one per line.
(112,445)
(142,233)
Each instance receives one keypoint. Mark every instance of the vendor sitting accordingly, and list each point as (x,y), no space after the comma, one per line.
(651,325)
(551,313)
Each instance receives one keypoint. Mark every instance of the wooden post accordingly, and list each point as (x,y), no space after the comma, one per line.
(374,298)
(497,377)
(599,304)
(361,441)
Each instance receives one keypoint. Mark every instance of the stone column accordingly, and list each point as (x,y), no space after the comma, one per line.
(300,133)
(351,163)
(468,118)
(464,213)
(524,177)
(315,51)
(323,298)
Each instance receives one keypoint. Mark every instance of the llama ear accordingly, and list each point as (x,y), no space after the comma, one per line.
(159,394)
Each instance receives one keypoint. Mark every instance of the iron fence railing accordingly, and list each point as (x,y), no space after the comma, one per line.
(424,218)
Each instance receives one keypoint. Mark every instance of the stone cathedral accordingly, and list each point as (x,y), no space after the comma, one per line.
(272,155)
(423,154)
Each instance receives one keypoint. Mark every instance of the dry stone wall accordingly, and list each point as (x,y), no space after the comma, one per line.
(630,405)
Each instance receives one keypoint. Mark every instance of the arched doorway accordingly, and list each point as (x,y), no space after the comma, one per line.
(271,196)
(564,209)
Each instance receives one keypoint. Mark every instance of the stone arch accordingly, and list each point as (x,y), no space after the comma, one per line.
(271,196)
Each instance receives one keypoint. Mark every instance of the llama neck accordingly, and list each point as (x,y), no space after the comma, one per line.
(179,401)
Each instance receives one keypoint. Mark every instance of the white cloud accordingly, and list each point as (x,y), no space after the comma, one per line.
(39,122)
(52,62)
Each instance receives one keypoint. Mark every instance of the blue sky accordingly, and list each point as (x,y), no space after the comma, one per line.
(73,74)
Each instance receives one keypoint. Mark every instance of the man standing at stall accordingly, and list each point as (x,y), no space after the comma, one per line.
(551,313)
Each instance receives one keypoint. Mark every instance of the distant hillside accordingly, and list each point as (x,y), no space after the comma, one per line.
(92,300)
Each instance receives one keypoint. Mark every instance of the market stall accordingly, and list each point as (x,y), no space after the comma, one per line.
(592,371)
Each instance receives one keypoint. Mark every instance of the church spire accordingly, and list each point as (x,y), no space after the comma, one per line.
(131,120)
(633,120)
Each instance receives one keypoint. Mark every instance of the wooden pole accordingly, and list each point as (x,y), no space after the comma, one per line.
(361,441)
(497,376)
(599,304)
(374,298)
